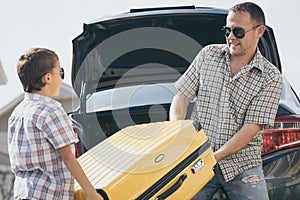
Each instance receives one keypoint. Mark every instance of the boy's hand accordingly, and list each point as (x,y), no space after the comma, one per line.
(77,172)
(94,196)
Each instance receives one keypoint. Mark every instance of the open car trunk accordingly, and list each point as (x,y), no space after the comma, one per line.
(148,46)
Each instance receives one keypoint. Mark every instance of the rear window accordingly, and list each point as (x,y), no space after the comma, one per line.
(131,96)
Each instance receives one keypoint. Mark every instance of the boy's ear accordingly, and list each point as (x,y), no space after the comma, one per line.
(46,78)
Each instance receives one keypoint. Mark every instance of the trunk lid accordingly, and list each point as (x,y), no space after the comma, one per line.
(150,45)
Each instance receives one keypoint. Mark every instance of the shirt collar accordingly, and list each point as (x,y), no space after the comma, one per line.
(255,62)
(39,97)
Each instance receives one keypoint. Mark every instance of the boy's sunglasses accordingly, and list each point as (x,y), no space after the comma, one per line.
(238,32)
(61,73)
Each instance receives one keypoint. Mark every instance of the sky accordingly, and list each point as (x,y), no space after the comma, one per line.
(55,23)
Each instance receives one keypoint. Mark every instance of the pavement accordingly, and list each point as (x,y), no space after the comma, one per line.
(6,175)
(3,149)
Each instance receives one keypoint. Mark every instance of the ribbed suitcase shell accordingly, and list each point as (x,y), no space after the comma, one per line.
(162,160)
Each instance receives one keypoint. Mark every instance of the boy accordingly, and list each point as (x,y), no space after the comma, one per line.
(40,135)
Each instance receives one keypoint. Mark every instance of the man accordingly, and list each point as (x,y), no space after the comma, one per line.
(237,92)
(40,135)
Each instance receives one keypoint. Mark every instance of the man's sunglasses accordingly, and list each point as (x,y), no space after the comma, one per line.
(238,32)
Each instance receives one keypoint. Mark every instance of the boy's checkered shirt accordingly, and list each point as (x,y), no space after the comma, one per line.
(37,128)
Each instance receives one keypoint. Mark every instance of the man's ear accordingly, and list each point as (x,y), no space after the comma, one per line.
(261,30)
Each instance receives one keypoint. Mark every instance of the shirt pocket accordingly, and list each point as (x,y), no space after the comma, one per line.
(241,94)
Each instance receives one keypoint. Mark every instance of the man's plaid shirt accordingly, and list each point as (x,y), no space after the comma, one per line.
(224,103)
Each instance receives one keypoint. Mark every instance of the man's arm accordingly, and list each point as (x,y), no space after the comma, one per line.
(178,107)
(77,172)
(238,141)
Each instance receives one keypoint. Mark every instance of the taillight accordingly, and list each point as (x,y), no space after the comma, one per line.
(285,135)
(77,146)
(77,150)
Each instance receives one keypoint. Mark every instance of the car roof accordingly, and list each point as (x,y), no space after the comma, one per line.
(141,12)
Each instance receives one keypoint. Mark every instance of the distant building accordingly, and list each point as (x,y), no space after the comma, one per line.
(3,78)
(67,98)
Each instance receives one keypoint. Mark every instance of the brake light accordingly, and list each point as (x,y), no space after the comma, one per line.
(77,148)
(285,135)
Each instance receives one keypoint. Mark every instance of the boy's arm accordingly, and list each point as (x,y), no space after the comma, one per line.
(77,172)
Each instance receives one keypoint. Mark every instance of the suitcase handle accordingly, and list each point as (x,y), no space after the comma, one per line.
(172,189)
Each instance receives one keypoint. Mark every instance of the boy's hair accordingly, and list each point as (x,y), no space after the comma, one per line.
(254,10)
(33,65)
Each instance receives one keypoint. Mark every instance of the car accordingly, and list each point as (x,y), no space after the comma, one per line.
(124,68)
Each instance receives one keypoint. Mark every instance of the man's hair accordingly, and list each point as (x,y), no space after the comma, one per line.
(254,10)
(32,65)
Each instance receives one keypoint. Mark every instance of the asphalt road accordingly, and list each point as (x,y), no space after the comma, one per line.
(3,149)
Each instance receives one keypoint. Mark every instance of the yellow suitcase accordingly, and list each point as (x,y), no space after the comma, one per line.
(162,160)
